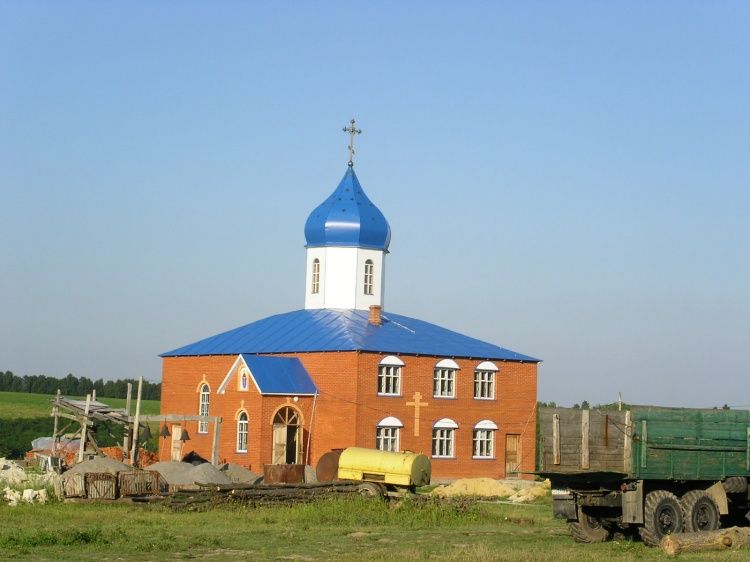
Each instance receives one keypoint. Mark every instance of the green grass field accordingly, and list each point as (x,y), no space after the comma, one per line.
(356,529)
(14,405)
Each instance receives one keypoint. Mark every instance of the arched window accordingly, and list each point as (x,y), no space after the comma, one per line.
(484,439)
(444,379)
(444,438)
(484,381)
(387,434)
(205,397)
(315,284)
(389,376)
(242,432)
(369,276)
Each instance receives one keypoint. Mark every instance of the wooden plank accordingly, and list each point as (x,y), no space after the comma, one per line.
(584,439)
(644,442)
(84,426)
(55,412)
(556,439)
(126,432)
(215,443)
(136,423)
(627,449)
(178,417)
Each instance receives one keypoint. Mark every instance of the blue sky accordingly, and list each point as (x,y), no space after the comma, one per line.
(568,180)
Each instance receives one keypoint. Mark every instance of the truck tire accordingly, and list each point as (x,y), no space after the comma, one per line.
(662,515)
(700,512)
(588,529)
(735,485)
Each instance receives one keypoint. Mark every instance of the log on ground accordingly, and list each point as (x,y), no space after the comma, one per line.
(721,539)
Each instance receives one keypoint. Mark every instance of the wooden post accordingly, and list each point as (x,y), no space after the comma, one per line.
(555,438)
(84,427)
(215,442)
(309,431)
(93,395)
(584,438)
(55,412)
(126,433)
(644,442)
(134,450)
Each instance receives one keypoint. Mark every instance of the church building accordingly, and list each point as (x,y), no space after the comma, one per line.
(346,371)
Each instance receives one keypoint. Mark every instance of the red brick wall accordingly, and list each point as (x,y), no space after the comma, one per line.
(348,409)
(513,410)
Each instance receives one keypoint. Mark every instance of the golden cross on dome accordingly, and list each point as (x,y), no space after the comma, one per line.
(352,130)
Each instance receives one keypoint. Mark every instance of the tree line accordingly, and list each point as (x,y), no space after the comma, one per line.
(76,386)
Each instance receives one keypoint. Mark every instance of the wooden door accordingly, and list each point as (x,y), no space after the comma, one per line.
(176,443)
(286,436)
(279,443)
(512,455)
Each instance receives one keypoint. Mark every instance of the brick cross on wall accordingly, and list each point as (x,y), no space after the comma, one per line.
(417,405)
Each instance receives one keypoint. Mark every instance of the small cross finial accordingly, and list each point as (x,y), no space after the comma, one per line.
(352,130)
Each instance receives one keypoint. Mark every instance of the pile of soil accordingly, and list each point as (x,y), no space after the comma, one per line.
(530,493)
(185,474)
(239,474)
(480,487)
(99,464)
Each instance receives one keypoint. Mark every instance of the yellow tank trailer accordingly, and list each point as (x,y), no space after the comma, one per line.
(397,469)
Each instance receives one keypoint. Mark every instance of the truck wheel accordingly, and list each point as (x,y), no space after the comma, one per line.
(588,529)
(700,511)
(662,515)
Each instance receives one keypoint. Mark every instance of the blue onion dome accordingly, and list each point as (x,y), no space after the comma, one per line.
(348,218)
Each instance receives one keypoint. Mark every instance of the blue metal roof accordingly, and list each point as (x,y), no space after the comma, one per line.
(348,218)
(279,375)
(345,330)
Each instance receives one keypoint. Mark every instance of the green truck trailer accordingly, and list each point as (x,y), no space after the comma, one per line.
(645,468)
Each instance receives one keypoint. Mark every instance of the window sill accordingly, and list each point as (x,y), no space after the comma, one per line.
(485,399)
(389,395)
(238,451)
(484,458)
(202,432)
(443,458)
(444,397)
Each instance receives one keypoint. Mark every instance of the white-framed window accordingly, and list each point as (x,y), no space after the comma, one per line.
(389,376)
(444,438)
(242,431)
(484,440)
(315,281)
(444,379)
(205,398)
(387,434)
(484,381)
(369,276)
